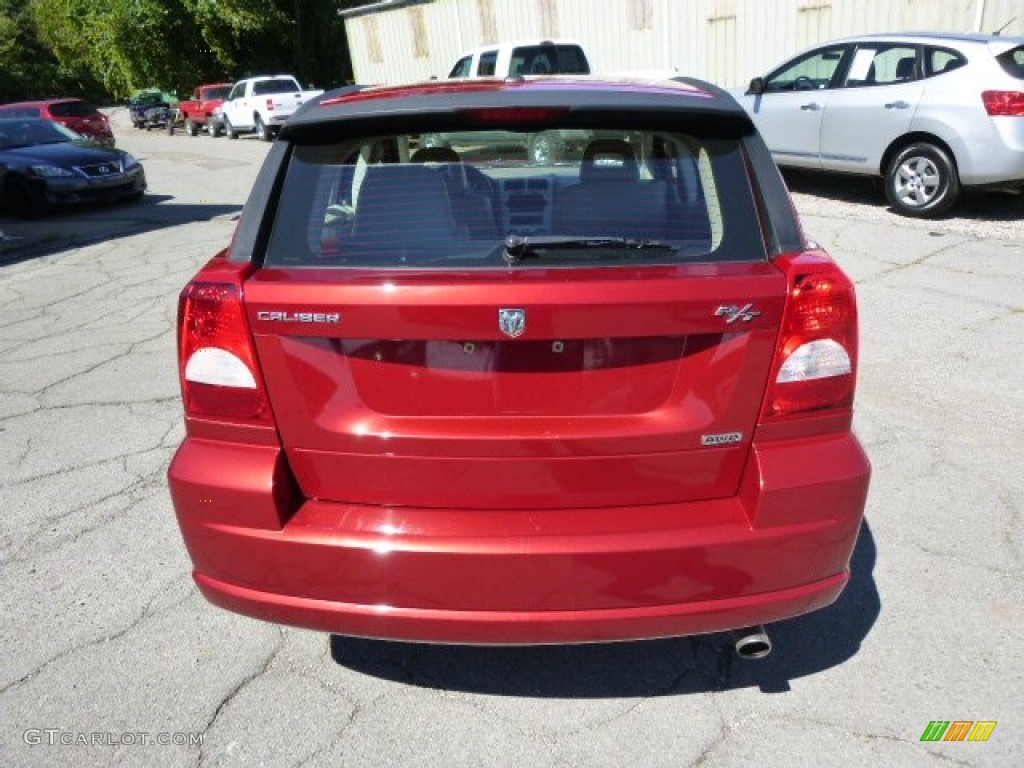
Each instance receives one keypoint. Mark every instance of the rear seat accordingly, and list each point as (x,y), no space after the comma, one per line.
(473,212)
(610,199)
(403,204)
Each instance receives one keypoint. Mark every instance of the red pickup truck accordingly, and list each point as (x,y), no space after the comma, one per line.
(195,113)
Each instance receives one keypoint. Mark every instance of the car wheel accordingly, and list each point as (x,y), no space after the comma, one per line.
(214,129)
(25,200)
(545,149)
(229,129)
(190,127)
(262,132)
(921,181)
(169,127)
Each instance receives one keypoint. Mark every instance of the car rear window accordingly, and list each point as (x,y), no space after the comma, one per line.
(72,109)
(1013,62)
(612,198)
(209,94)
(277,85)
(549,59)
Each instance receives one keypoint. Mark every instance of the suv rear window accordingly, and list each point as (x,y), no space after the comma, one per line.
(616,198)
(73,109)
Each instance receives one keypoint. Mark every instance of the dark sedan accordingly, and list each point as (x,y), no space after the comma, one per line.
(49,165)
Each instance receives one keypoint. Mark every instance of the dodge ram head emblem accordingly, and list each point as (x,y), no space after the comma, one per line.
(512,322)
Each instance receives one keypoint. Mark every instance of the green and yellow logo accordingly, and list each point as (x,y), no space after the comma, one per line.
(958,730)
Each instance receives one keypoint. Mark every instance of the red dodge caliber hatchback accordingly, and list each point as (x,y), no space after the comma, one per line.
(450,395)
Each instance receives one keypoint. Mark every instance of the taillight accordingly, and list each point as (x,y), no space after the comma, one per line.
(815,362)
(219,375)
(1004,103)
(270,105)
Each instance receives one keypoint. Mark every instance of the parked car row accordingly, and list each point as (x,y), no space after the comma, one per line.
(257,105)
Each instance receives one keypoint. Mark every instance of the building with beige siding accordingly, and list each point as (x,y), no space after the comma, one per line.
(725,41)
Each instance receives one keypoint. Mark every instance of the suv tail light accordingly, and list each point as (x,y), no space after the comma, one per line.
(1004,103)
(815,363)
(270,105)
(219,375)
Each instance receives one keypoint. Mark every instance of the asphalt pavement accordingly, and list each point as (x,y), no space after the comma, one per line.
(108,655)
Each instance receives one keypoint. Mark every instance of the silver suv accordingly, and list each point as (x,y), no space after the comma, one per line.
(929,113)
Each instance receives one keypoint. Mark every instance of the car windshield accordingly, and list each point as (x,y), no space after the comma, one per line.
(148,97)
(483,199)
(30,133)
(6,112)
(209,94)
(277,85)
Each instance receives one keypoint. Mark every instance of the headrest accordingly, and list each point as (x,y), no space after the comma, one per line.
(905,68)
(435,155)
(609,160)
(402,204)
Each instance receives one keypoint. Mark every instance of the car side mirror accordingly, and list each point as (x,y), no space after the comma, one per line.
(757,86)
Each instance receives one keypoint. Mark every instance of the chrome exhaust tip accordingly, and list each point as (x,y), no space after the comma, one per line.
(752,642)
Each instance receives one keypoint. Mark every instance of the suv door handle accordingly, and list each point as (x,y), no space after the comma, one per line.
(897,105)
(812,107)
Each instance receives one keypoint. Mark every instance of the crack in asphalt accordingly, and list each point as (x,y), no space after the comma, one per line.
(85,465)
(143,616)
(140,489)
(863,736)
(236,690)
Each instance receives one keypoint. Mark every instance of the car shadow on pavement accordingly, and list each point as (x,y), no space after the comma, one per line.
(982,205)
(802,646)
(69,228)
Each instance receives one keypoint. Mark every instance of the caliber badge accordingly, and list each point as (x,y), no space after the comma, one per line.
(299,317)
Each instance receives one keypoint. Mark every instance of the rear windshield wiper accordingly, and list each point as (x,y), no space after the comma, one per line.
(517,248)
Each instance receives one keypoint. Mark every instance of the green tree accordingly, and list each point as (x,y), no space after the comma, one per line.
(125,44)
(76,47)
(260,36)
(30,69)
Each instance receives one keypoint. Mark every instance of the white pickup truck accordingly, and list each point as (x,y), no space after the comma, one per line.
(261,105)
(529,58)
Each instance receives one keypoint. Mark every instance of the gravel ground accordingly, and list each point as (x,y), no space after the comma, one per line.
(978,215)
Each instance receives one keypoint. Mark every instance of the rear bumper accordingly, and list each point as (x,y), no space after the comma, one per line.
(778,549)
